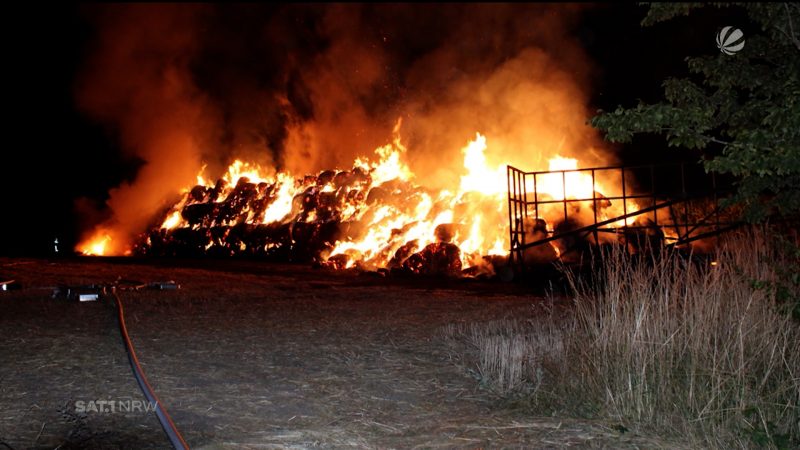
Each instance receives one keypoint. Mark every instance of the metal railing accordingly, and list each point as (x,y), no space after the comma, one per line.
(680,200)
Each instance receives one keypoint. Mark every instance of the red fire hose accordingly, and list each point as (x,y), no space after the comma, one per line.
(161,412)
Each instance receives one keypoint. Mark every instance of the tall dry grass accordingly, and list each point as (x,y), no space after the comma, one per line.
(666,345)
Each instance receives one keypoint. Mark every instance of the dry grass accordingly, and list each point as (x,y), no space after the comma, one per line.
(708,353)
(249,355)
(510,354)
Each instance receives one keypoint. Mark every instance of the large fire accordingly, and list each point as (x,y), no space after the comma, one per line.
(381,217)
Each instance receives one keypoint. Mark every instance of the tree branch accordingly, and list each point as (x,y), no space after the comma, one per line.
(696,133)
(792,35)
(719,141)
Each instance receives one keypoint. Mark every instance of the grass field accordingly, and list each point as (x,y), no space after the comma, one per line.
(254,355)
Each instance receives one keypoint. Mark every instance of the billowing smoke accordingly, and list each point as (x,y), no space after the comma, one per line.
(515,75)
(138,81)
(307,88)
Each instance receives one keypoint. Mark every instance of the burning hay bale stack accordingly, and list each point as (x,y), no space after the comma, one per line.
(212,223)
(308,219)
(371,217)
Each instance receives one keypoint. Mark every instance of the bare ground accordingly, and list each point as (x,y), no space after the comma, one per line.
(251,355)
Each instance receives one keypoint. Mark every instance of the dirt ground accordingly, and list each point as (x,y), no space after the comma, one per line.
(253,355)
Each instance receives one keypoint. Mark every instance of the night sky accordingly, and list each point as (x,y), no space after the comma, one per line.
(55,154)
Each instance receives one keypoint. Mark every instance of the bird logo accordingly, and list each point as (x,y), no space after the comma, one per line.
(730,40)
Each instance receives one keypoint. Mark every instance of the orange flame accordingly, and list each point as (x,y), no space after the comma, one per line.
(401,214)
(96,245)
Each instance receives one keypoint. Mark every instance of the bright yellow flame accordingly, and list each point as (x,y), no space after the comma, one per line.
(200,179)
(241,169)
(390,166)
(567,184)
(172,221)
(474,241)
(560,163)
(282,205)
(498,248)
(96,246)
(479,177)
